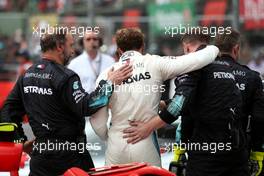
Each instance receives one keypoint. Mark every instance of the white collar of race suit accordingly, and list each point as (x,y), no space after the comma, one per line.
(128,55)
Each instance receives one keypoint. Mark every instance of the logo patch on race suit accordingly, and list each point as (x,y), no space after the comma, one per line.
(75,85)
(38,90)
(41,66)
(125,58)
(127,61)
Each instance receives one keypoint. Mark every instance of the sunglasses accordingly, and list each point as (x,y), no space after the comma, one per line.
(88,39)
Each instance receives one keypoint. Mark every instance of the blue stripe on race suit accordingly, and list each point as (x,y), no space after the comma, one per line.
(155,141)
(102,98)
(176,104)
(99,102)
(178,133)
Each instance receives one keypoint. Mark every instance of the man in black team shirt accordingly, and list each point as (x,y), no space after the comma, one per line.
(250,85)
(210,104)
(56,104)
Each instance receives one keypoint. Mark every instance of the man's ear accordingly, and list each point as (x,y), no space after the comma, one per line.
(186,47)
(59,47)
(142,49)
(236,50)
(119,52)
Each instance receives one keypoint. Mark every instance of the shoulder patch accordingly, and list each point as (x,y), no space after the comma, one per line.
(75,85)
(41,66)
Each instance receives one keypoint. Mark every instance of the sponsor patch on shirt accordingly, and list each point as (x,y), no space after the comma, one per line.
(137,77)
(223,75)
(78,95)
(38,90)
(38,75)
(241,86)
(239,73)
(221,63)
(126,56)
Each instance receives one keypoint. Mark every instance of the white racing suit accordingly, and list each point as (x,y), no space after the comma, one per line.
(138,99)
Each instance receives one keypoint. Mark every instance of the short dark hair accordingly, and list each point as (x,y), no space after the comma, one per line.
(49,41)
(195,35)
(226,41)
(129,39)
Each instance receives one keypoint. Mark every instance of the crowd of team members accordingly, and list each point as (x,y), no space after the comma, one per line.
(222,103)
(219,101)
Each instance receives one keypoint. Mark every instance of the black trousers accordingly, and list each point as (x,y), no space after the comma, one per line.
(54,163)
(232,164)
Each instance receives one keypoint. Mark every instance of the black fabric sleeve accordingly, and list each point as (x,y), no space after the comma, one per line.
(185,90)
(13,109)
(80,102)
(257,120)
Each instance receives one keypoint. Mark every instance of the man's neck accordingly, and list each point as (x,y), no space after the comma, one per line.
(139,50)
(92,54)
(198,45)
(229,54)
(53,56)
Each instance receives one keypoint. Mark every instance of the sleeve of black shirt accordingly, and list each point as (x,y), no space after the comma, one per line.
(80,102)
(185,91)
(257,120)
(13,109)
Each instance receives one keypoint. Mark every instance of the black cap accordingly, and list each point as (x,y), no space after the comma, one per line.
(23,53)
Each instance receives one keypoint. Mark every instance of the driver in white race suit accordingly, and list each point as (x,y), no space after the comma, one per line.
(138,97)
